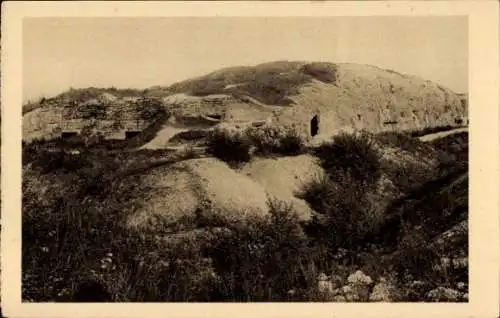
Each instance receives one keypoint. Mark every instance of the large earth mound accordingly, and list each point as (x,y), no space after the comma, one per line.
(319,98)
(346,95)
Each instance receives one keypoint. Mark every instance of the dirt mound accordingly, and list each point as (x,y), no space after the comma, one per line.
(346,95)
(284,177)
(197,189)
(366,97)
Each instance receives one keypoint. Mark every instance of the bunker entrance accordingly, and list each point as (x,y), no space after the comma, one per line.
(131,134)
(67,134)
(314,126)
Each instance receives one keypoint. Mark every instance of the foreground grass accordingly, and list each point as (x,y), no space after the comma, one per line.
(75,244)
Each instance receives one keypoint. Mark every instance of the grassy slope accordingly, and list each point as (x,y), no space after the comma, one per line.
(93,183)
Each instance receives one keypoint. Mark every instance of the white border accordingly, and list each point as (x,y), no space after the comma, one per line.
(483,90)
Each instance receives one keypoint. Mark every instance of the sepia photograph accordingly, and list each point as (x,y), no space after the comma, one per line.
(244,159)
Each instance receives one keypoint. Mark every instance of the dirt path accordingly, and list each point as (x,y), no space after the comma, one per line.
(442,134)
(169,130)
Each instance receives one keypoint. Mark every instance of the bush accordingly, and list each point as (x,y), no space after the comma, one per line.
(352,155)
(233,145)
(408,176)
(347,216)
(49,161)
(263,261)
(72,242)
(229,146)
(282,140)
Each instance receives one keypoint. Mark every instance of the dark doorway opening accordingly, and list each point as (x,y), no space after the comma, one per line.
(131,134)
(390,122)
(314,126)
(68,134)
(215,116)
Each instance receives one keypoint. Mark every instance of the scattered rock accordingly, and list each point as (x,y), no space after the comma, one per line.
(381,292)
(460,262)
(359,278)
(339,298)
(443,294)
(324,284)
(336,281)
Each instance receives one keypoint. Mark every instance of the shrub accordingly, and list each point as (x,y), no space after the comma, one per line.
(263,261)
(347,214)
(352,155)
(49,161)
(230,146)
(239,145)
(409,175)
(283,140)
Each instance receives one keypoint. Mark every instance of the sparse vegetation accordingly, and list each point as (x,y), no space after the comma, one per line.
(352,155)
(229,146)
(347,216)
(325,72)
(269,83)
(74,234)
(284,140)
(238,145)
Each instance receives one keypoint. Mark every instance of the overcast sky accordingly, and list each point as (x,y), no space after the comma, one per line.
(141,52)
